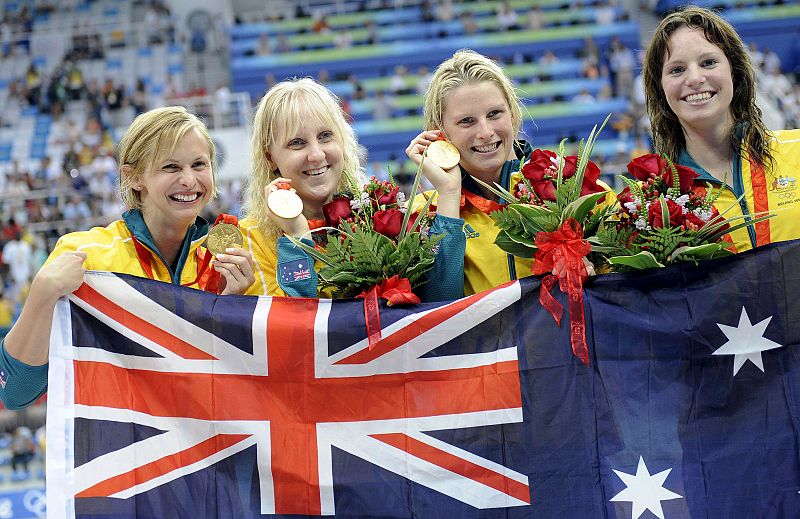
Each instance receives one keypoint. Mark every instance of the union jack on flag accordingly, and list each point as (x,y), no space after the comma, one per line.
(302,274)
(267,401)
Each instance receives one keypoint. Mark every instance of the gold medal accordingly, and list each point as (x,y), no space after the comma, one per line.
(443,154)
(223,236)
(285,203)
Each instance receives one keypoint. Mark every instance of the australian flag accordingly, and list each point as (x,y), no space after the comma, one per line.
(170,402)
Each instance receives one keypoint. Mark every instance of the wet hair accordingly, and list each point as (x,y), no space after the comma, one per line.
(151,138)
(280,112)
(467,67)
(748,127)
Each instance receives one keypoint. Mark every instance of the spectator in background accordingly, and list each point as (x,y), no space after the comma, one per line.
(605,13)
(383,106)
(756,56)
(507,18)
(468,22)
(583,97)
(372,32)
(114,100)
(22,449)
(343,39)
(534,19)
(398,82)
(17,255)
(772,62)
(320,24)
(589,51)
(264,47)
(423,80)
(139,101)
(622,63)
(284,45)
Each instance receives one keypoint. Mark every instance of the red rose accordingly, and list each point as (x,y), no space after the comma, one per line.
(337,210)
(624,197)
(388,222)
(655,216)
(540,163)
(655,166)
(686,177)
(541,170)
(590,176)
(647,166)
(382,193)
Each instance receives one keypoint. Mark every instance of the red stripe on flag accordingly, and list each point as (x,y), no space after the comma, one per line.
(162,466)
(137,324)
(289,400)
(415,329)
(293,436)
(457,465)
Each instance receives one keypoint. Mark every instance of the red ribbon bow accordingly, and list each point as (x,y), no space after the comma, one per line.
(395,290)
(561,252)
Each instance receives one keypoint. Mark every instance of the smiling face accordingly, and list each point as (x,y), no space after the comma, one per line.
(477,120)
(174,190)
(312,158)
(697,81)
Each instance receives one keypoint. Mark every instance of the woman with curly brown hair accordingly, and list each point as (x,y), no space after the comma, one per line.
(701,98)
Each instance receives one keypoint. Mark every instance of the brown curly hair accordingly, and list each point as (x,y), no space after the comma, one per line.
(748,129)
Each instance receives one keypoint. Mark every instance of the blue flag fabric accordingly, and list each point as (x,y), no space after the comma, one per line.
(169,402)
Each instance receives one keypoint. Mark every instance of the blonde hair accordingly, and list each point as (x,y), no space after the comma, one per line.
(151,138)
(284,107)
(467,67)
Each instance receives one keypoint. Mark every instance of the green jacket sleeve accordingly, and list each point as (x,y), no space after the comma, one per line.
(445,281)
(20,384)
(295,272)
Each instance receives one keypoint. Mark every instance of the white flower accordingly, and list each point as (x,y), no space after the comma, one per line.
(401,197)
(641,224)
(681,201)
(632,207)
(703,214)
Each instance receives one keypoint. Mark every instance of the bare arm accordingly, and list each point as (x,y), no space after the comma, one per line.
(29,338)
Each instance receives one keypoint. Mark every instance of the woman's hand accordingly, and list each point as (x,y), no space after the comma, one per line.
(446,182)
(296,226)
(236,268)
(60,277)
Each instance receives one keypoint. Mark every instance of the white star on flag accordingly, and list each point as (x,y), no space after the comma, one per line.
(644,491)
(746,342)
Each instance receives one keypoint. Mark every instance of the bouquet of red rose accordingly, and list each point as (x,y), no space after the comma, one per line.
(375,244)
(663,217)
(553,207)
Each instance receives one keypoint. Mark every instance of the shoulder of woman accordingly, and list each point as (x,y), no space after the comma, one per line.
(93,240)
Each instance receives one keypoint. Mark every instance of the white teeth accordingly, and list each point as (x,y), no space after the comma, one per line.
(315,172)
(185,198)
(488,148)
(704,96)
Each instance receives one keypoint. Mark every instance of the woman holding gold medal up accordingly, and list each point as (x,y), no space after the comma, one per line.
(303,153)
(166,178)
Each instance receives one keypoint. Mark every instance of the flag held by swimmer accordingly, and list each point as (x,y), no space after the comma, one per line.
(171,402)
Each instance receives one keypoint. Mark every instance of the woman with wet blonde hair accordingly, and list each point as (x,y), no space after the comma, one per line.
(166,179)
(300,139)
(473,104)
(700,87)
